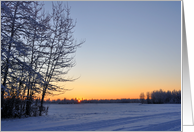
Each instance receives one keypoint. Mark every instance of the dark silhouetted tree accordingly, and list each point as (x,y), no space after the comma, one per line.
(36,50)
(142,96)
(148,98)
(160,97)
(61,47)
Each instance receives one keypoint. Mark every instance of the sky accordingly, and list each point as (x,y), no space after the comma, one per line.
(131,47)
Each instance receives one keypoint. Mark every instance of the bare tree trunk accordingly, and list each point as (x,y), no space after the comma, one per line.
(28,104)
(42,100)
(60,46)
(8,57)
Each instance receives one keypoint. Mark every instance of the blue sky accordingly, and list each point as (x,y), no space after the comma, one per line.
(127,44)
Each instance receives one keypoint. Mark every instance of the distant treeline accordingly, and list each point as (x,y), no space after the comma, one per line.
(155,97)
(75,101)
(161,97)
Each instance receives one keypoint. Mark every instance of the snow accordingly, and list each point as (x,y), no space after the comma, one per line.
(101,117)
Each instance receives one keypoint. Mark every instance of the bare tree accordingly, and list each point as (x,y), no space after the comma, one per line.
(148,98)
(61,47)
(37,49)
(23,30)
(142,96)
(14,18)
(36,54)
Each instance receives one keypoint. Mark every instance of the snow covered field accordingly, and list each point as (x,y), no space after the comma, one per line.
(101,117)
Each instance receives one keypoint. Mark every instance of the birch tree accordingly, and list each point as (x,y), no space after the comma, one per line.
(37,49)
(61,47)
(14,15)
(36,44)
(22,32)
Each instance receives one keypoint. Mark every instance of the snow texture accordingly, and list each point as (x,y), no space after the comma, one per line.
(101,117)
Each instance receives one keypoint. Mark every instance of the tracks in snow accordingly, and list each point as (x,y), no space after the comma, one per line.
(151,123)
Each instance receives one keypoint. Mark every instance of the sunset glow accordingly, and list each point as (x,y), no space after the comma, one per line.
(93,66)
(139,51)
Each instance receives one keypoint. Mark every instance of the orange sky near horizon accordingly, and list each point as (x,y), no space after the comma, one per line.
(117,89)
(122,84)
(133,49)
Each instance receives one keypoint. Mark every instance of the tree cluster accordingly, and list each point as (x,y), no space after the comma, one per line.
(37,49)
(161,97)
(155,97)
